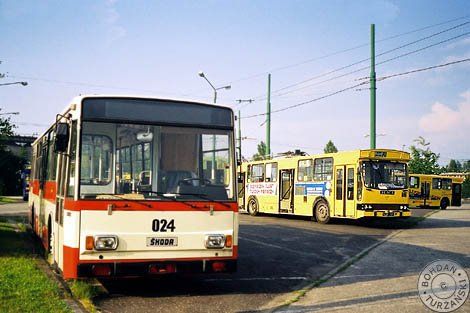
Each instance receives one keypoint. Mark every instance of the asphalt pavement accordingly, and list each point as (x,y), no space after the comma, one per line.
(386,279)
(277,257)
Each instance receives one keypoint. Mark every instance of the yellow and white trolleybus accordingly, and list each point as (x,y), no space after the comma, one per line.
(132,186)
(355,184)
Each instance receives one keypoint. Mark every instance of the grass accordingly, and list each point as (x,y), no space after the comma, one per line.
(4,200)
(85,291)
(23,286)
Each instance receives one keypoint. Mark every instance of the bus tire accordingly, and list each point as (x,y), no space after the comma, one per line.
(322,212)
(253,206)
(444,203)
(49,236)
(32,219)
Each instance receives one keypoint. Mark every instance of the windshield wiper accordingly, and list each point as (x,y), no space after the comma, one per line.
(165,196)
(202,196)
(122,197)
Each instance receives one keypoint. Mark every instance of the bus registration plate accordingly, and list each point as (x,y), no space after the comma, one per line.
(162,241)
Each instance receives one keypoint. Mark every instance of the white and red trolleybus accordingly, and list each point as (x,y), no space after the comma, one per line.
(133,186)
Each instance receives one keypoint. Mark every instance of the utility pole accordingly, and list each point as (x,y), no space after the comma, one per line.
(372,88)
(268,119)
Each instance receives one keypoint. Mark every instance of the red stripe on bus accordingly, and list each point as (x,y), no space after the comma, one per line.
(71,256)
(139,205)
(49,189)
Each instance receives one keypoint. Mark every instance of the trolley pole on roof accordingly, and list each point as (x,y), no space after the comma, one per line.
(239,136)
(372,88)
(240,126)
(268,119)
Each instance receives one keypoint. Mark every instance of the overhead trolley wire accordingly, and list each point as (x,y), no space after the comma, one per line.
(346,50)
(379,63)
(361,61)
(355,86)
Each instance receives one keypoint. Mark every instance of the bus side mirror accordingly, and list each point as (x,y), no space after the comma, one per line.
(61,137)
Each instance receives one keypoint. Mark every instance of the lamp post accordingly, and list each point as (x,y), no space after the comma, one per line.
(227,87)
(10,113)
(15,83)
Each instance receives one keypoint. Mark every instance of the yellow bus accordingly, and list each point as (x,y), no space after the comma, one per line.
(435,190)
(355,184)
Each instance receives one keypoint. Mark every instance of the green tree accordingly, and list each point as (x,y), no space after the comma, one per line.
(454,166)
(10,164)
(261,154)
(330,147)
(6,130)
(466,166)
(423,160)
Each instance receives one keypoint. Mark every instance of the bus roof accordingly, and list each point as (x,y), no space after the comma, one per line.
(365,154)
(76,101)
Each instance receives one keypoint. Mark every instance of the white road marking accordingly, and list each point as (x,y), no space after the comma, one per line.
(284,248)
(351,276)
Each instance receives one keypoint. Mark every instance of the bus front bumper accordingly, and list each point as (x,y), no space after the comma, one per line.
(383,210)
(141,269)
(389,213)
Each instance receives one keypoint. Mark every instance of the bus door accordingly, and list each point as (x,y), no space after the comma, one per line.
(42,187)
(340,197)
(241,190)
(350,191)
(286,194)
(425,192)
(59,209)
(456,195)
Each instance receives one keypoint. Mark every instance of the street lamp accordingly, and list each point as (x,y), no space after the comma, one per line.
(15,83)
(201,74)
(228,87)
(10,113)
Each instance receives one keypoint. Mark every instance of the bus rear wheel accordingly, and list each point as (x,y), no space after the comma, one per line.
(322,212)
(444,204)
(253,206)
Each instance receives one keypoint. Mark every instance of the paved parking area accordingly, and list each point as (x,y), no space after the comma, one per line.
(277,256)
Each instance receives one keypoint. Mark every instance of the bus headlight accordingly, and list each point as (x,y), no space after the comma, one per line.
(106,242)
(215,241)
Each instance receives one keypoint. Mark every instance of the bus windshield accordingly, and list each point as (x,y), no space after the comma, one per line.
(155,162)
(384,174)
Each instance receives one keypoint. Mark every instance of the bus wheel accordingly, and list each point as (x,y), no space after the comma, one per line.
(32,219)
(253,207)
(444,204)
(49,236)
(322,212)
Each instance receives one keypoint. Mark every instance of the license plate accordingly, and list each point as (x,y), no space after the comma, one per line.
(162,241)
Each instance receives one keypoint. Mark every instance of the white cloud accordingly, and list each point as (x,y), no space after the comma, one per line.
(111,19)
(443,119)
(461,43)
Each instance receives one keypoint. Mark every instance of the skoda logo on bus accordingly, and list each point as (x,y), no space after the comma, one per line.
(443,286)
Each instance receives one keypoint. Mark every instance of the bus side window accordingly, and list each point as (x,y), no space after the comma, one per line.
(257,173)
(414,182)
(271,172)
(436,183)
(305,170)
(323,169)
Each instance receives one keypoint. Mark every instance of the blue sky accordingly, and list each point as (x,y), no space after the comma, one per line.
(158,47)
